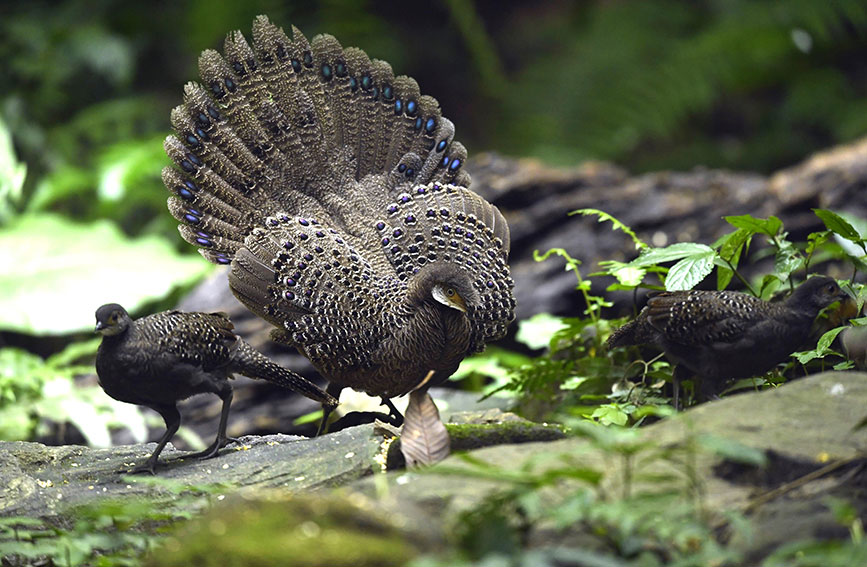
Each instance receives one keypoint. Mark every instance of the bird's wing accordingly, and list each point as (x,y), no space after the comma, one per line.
(701,317)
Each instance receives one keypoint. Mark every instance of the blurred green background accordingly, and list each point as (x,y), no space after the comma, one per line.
(651,85)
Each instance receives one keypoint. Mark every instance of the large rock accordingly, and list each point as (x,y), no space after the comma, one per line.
(800,427)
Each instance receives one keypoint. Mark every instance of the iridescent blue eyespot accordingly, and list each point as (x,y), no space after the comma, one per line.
(230,84)
(418,123)
(366,82)
(308,59)
(202,134)
(353,83)
(401,168)
(214,113)
(308,257)
(441,146)
(445,161)
(489,283)
(187,166)
(185,194)
(398,106)
(320,234)
(392,209)
(340,69)
(375,92)
(386,241)
(409,219)
(430,125)
(380,225)
(190,185)
(319,250)
(223,260)
(289,295)
(204,242)
(192,219)
(387,92)
(456,163)
(288,245)
(296,65)
(303,222)
(410,173)
(397,233)
(422,190)
(193,141)
(290,282)
(326,71)
(303,236)
(404,199)
(411,107)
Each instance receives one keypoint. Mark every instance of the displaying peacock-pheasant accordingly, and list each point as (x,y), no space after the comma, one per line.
(158,360)
(335,191)
(718,336)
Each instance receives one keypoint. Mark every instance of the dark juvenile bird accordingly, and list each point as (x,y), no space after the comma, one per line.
(724,335)
(335,192)
(158,360)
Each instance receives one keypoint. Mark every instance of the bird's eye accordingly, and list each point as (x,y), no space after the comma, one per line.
(450,291)
(831,288)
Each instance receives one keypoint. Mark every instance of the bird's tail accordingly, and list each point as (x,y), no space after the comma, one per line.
(291,127)
(253,364)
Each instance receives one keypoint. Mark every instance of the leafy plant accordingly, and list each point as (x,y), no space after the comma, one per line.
(33,390)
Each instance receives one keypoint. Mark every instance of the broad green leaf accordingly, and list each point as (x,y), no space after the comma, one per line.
(730,248)
(536,332)
(838,225)
(54,273)
(733,451)
(770,226)
(652,256)
(607,414)
(687,273)
(787,259)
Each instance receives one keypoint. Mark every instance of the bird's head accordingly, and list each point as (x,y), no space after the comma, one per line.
(822,292)
(445,286)
(111,319)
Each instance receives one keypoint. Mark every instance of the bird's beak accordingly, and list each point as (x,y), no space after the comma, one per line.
(99,327)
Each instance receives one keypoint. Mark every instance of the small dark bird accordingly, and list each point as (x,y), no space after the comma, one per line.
(161,359)
(336,192)
(719,336)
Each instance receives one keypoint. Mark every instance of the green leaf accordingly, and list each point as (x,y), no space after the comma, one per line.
(770,226)
(730,248)
(653,256)
(733,451)
(615,224)
(687,273)
(838,225)
(610,413)
(536,332)
(55,273)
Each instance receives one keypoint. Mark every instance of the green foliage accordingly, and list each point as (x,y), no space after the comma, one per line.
(107,533)
(578,379)
(33,390)
(64,271)
(643,502)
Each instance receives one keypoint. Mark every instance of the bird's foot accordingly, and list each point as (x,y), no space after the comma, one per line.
(215,447)
(148,466)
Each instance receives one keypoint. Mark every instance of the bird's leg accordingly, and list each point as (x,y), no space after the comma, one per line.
(680,374)
(395,415)
(333,389)
(222,440)
(173,421)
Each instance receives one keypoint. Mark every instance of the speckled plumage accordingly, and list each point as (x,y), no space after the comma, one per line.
(160,359)
(336,192)
(724,335)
